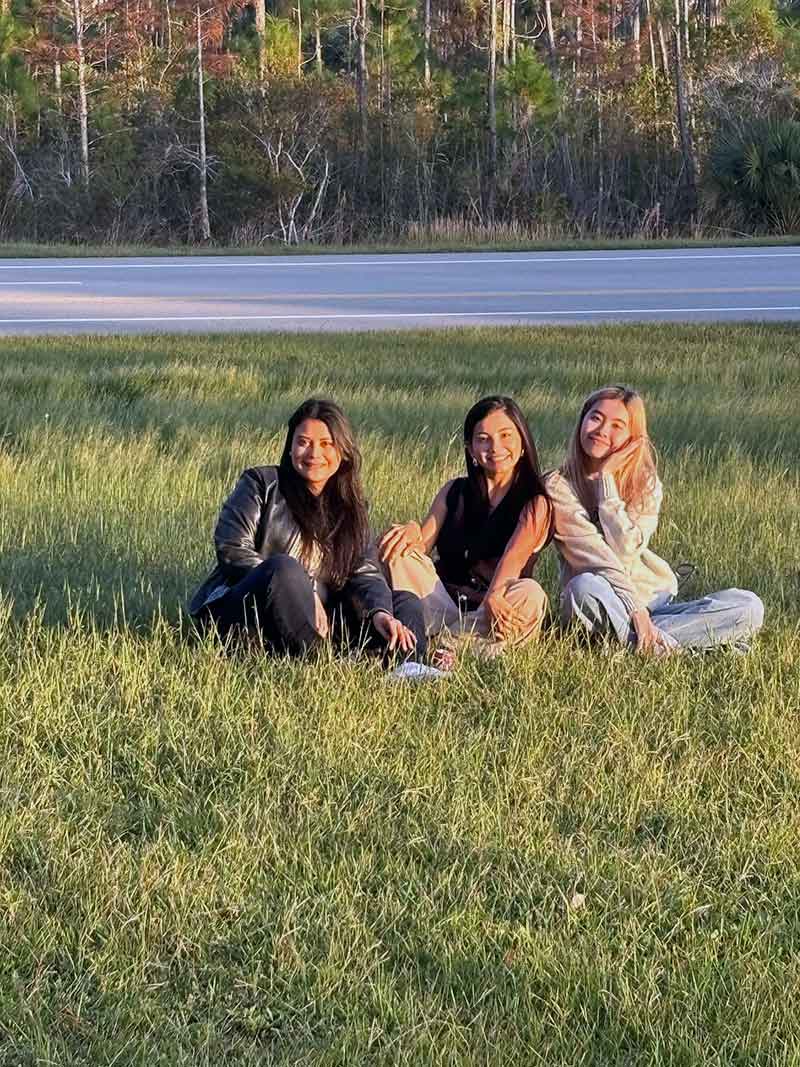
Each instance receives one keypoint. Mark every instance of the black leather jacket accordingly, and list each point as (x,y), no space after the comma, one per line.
(255,523)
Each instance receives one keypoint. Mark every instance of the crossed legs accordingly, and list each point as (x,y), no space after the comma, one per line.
(415,573)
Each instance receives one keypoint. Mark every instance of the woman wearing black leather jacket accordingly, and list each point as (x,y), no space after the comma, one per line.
(292,551)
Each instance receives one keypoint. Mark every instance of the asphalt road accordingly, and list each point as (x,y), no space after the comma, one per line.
(186,294)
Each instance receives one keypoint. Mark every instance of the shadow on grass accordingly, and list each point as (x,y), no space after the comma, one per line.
(111,592)
(394,384)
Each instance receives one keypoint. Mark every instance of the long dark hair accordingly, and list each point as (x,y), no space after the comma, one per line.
(336,520)
(528,482)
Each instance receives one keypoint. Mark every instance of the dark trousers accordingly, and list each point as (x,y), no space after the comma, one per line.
(276,602)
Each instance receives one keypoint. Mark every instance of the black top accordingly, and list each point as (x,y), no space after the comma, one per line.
(472,539)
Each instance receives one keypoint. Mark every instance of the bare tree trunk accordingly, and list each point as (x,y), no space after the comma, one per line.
(512,28)
(317,42)
(57,85)
(551,35)
(662,45)
(653,65)
(261,32)
(361,84)
(299,39)
(382,53)
(684,117)
(427,45)
(83,106)
(205,224)
(506,31)
(601,174)
(387,74)
(578,42)
(687,68)
(636,33)
(490,205)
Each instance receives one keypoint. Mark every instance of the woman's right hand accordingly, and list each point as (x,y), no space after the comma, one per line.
(399,540)
(646,632)
(615,461)
(651,641)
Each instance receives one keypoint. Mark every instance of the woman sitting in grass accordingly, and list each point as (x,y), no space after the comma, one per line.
(606,498)
(487,530)
(291,544)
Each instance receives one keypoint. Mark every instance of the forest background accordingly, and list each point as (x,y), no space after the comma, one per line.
(319,121)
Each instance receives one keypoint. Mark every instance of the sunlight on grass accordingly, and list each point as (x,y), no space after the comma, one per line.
(559,857)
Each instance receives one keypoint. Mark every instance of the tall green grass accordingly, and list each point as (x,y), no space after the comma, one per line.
(559,857)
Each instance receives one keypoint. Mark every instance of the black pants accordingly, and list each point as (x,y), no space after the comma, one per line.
(276,601)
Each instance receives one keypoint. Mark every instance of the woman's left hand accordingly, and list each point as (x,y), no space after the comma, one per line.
(394,632)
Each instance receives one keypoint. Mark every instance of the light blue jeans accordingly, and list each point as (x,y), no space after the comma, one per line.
(727,618)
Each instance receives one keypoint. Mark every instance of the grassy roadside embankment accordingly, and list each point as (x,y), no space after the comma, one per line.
(443,244)
(560,857)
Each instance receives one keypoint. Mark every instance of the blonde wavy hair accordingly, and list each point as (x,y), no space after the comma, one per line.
(636,480)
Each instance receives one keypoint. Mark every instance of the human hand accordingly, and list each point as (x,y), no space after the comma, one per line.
(394,632)
(616,460)
(321,624)
(650,640)
(501,615)
(399,540)
(647,634)
(666,644)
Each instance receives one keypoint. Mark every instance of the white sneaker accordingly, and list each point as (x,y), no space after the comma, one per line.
(416,672)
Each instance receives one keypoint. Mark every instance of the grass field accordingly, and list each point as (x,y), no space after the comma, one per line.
(559,857)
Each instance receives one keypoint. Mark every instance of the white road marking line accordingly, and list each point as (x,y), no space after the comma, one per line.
(25,284)
(499,294)
(391,315)
(279,263)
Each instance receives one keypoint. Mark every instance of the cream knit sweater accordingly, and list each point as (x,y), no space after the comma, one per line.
(614,545)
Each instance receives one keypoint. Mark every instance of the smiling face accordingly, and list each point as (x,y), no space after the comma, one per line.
(604,429)
(314,454)
(496,444)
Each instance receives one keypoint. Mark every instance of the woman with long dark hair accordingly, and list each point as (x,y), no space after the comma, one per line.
(487,530)
(292,550)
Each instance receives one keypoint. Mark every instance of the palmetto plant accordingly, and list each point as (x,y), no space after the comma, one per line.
(757,169)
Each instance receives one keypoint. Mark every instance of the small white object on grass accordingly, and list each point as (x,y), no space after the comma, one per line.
(416,672)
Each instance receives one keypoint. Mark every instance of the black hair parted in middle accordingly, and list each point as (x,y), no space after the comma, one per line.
(528,481)
(336,521)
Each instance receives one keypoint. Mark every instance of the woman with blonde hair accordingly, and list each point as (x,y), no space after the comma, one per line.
(606,499)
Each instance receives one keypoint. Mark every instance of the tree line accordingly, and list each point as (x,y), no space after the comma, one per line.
(327,121)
